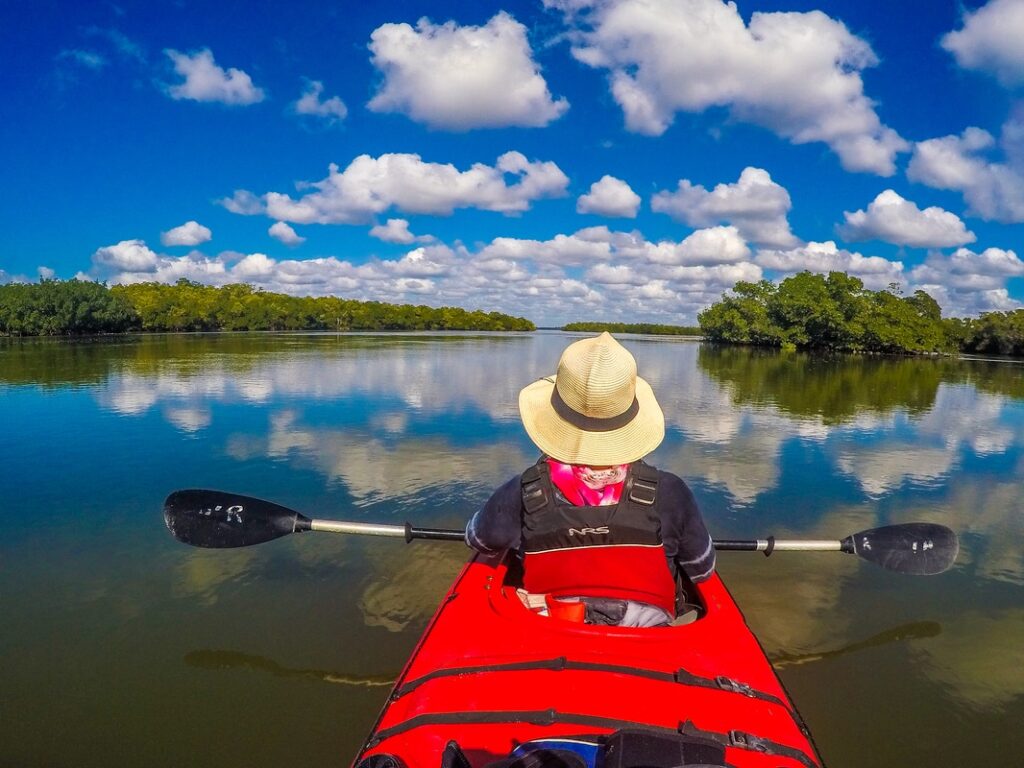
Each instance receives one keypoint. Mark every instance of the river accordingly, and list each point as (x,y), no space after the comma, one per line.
(123,647)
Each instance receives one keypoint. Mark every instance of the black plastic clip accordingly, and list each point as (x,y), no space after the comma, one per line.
(728,684)
(771,546)
(748,741)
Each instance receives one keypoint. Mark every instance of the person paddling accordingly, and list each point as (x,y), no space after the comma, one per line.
(600,534)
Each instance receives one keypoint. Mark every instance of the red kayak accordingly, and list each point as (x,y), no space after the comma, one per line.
(493,683)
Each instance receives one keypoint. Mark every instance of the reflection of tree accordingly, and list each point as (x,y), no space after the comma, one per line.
(409,583)
(61,362)
(835,388)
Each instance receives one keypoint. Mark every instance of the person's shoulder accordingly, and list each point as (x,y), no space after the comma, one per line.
(509,487)
(672,486)
(669,478)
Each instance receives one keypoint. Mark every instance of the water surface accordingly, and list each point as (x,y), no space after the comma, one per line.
(122,647)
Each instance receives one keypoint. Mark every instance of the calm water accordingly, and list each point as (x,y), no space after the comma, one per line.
(121,647)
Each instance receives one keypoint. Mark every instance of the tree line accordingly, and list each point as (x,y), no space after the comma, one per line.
(836,312)
(656,328)
(805,311)
(78,307)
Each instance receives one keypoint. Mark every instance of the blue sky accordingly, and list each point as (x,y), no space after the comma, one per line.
(561,160)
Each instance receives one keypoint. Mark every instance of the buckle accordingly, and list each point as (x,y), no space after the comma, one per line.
(534,497)
(728,684)
(748,741)
(643,492)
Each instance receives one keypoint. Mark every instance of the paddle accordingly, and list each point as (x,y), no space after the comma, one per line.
(205,518)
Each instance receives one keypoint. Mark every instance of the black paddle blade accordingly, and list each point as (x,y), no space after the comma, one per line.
(918,549)
(222,520)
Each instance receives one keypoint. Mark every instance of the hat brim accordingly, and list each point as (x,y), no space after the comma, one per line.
(569,444)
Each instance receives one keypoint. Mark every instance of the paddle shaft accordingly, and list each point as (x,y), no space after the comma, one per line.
(408,532)
(208,518)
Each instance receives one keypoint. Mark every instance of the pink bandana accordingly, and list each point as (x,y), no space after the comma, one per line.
(586,486)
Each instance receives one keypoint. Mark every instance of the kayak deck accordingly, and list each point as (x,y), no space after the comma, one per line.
(490,674)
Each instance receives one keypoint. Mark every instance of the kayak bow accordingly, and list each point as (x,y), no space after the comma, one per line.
(489,674)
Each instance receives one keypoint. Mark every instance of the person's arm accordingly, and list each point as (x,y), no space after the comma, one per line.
(688,544)
(497,526)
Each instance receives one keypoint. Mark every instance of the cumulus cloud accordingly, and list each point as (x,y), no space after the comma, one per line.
(45,273)
(990,41)
(967,283)
(755,205)
(332,111)
(993,190)
(397,231)
(609,197)
(189,233)
(876,272)
(967,270)
(797,74)
(462,77)
(369,186)
(561,250)
(205,81)
(550,281)
(281,231)
(715,245)
(891,218)
(127,256)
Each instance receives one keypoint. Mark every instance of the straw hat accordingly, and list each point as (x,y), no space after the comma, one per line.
(595,410)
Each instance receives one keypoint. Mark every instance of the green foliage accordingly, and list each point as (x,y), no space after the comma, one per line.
(812,311)
(655,328)
(994,333)
(835,388)
(55,307)
(75,307)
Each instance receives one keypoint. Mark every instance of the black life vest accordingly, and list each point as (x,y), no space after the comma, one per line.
(612,551)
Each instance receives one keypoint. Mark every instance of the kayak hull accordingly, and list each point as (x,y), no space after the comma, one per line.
(490,674)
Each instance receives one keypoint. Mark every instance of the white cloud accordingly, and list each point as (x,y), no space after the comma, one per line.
(990,41)
(254,267)
(994,190)
(561,250)
(397,231)
(369,186)
(892,218)
(609,197)
(797,74)
(205,81)
(875,271)
(189,233)
(283,232)
(127,255)
(332,110)
(969,283)
(458,78)
(244,203)
(549,281)
(967,270)
(755,205)
(715,245)
(45,273)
